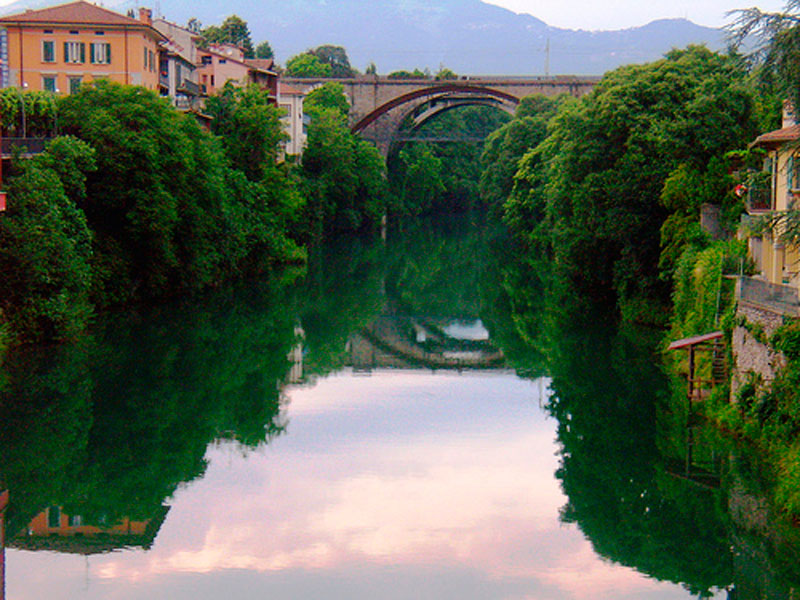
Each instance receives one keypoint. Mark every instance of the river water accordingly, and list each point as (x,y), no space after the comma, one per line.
(409,419)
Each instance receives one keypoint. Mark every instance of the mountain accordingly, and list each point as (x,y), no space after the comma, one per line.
(467,36)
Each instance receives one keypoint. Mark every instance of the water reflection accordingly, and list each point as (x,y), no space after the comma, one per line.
(288,471)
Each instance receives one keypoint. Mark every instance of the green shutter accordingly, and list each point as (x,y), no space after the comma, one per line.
(92,57)
(66,51)
(83,52)
(789,173)
(108,54)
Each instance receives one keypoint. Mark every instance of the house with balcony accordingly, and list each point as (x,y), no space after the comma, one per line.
(57,49)
(776,190)
(220,63)
(178,78)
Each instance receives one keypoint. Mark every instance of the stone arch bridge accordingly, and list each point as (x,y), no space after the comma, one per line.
(379,105)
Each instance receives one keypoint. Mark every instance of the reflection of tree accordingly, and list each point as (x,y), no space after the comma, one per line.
(434,268)
(606,385)
(342,294)
(109,429)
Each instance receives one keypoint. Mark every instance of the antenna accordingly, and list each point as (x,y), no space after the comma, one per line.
(547,59)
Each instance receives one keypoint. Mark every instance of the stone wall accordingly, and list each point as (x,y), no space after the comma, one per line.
(750,354)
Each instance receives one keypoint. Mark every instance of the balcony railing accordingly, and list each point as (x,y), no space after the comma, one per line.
(25,146)
(781,299)
(759,199)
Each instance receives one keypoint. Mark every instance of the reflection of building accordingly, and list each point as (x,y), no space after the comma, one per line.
(53,530)
(59,48)
(3,506)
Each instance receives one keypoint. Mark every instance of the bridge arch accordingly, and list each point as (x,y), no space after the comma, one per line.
(432,93)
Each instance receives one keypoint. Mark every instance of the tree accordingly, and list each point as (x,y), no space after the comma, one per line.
(776,48)
(46,244)
(371,69)
(345,176)
(308,66)
(249,126)
(264,50)
(445,74)
(234,30)
(167,212)
(336,57)
(600,173)
(330,96)
(506,146)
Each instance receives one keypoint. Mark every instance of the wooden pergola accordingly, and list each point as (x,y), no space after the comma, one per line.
(710,342)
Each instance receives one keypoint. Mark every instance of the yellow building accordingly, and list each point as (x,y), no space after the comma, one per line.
(59,48)
(779,192)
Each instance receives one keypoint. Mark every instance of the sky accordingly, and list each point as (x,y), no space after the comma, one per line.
(620,14)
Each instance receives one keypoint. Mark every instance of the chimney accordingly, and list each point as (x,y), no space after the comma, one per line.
(146,16)
(789,117)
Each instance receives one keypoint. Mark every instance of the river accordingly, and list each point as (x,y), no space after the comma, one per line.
(409,419)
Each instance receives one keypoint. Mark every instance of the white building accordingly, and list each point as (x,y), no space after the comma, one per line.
(295,121)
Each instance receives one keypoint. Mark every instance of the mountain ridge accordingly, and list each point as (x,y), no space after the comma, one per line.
(467,36)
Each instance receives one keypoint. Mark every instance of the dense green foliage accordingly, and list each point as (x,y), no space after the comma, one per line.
(599,176)
(323,61)
(46,244)
(167,212)
(307,65)
(344,175)
(234,30)
(501,158)
(442,177)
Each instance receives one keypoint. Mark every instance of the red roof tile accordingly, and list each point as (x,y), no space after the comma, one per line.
(74,13)
(779,136)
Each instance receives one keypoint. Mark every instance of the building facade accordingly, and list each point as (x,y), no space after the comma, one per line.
(290,100)
(178,78)
(57,49)
(778,191)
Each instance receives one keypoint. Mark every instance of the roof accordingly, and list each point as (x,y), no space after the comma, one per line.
(778,137)
(263,65)
(284,89)
(694,341)
(76,13)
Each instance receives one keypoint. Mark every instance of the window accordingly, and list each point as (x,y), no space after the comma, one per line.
(48,51)
(74,52)
(99,32)
(206,60)
(53,517)
(145,59)
(48,31)
(100,53)
(223,61)
(75,521)
(75,84)
(152,61)
(49,83)
(74,32)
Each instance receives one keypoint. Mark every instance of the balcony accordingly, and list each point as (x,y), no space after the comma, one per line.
(189,88)
(779,299)
(25,146)
(758,200)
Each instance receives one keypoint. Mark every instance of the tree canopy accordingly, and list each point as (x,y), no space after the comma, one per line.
(234,30)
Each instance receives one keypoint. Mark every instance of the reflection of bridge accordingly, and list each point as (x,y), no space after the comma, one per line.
(378,105)
(408,342)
